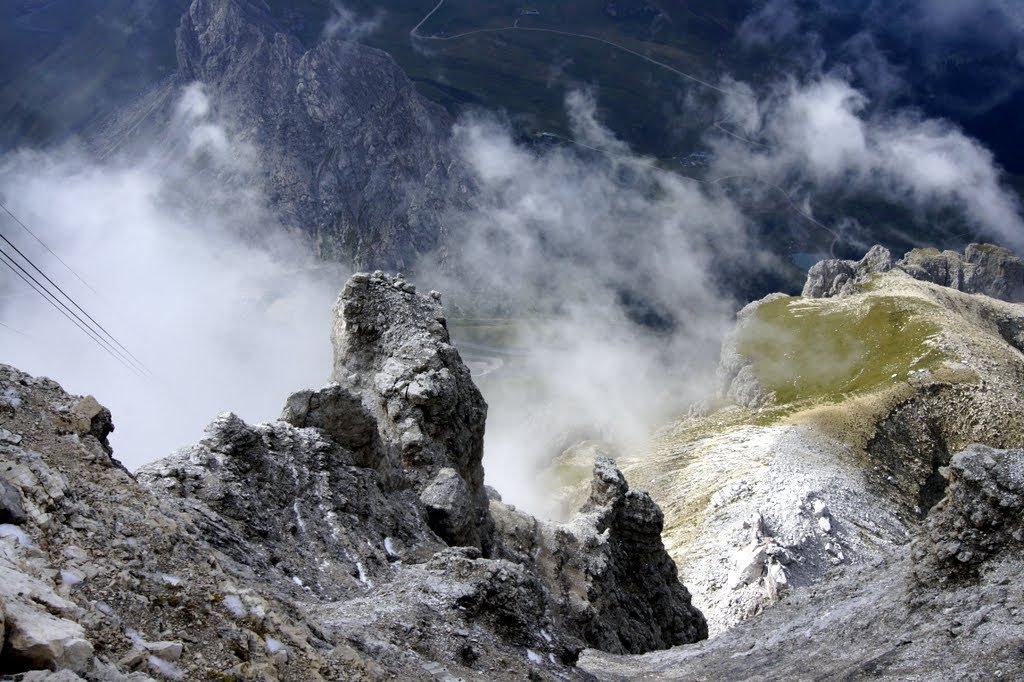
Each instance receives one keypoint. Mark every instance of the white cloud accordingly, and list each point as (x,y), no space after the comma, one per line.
(345,24)
(586,243)
(821,134)
(224,319)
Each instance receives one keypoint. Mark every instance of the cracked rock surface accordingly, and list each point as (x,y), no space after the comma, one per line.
(351,539)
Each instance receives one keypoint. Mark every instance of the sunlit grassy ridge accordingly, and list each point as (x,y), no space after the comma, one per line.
(807,350)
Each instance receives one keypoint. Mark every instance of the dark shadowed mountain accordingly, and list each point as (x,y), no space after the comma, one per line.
(349,152)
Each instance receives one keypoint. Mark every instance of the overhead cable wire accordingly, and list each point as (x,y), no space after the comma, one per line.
(43,244)
(64,310)
(110,336)
(13,330)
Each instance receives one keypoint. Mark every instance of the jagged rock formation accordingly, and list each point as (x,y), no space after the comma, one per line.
(946,607)
(982,269)
(836,277)
(348,150)
(979,524)
(837,416)
(592,562)
(392,348)
(346,541)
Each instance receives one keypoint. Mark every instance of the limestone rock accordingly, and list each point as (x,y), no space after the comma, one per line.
(11,509)
(619,590)
(36,639)
(350,152)
(981,269)
(392,348)
(835,277)
(352,539)
(945,607)
(449,506)
(981,517)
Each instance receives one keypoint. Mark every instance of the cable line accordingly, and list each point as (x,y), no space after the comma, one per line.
(72,301)
(13,330)
(63,309)
(43,244)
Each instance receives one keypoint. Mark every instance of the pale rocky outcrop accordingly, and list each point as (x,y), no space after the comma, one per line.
(837,277)
(981,269)
(745,488)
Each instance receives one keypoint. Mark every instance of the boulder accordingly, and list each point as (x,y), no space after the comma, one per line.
(980,519)
(11,508)
(37,639)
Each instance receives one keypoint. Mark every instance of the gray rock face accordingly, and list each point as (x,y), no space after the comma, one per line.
(11,509)
(615,539)
(982,269)
(981,520)
(946,607)
(327,545)
(349,152)
(835,277)
(391,347)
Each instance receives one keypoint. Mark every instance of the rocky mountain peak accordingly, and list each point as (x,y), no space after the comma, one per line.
(982,269)
(351,539)
(406,404)
(349,152)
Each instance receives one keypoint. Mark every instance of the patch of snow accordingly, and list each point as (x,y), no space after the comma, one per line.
(9,437)
(546,635)
(297,580)
(389,547)
(11,397)
(9,530)
(165,668)
(273,645)
(171,580)
(363,578)
(234,606)
(534,656)
(72,577)
(298,515)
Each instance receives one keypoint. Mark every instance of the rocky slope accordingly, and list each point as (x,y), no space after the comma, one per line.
(836,418)
(946,607)
(353,539)
(349,152)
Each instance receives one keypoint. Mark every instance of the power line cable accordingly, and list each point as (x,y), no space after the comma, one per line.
(43,244)
(63,309)
(72,301)
(13,330)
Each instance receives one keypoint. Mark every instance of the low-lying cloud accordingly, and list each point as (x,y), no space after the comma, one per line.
(612,263)
(194,277)
(821,135)
(609,272)
(345,23)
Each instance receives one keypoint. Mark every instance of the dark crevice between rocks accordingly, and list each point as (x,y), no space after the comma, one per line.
(906,453)
(934,487)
